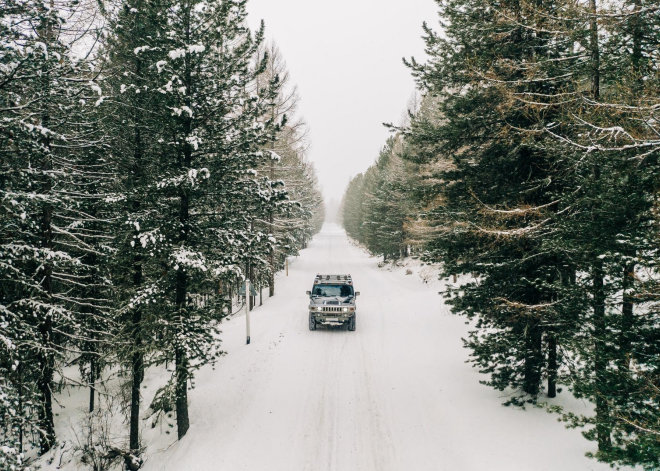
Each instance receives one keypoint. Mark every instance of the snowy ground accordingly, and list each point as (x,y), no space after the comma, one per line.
(394,395)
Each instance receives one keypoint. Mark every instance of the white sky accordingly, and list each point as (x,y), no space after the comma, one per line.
(345,56)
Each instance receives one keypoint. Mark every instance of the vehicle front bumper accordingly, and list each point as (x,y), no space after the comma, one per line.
(332,318)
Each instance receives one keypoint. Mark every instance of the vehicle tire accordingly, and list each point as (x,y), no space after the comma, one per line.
(351,323)
(312,322)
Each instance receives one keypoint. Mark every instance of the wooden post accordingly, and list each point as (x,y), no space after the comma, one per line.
(287,266)
(247,309)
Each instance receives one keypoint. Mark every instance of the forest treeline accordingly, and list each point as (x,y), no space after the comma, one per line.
(529,171)
(149,163)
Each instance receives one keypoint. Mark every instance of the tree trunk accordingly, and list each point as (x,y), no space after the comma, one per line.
(552,364)
(45,356)
(137,360)
(627,317)
(595,51)
(182,418)
(533,359)
(92,383)
(600,360)
(181,291)
(637,36)
(271,255)
(627,307)
(91,314)
(137,357)
(271,280)
(46,422)
(181,361)
(21,410)
(137,372)
(250,274)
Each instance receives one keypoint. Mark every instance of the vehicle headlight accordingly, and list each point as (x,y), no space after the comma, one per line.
(345,309)
(319,308)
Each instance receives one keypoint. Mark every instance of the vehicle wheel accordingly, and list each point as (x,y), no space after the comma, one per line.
(351,323)
(312,322)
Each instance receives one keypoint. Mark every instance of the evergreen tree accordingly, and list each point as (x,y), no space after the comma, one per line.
(130,62)
(132,186)
(292,219)
(51,247)
(546,202)
(610,221)
(352,210)
(205,180)
(497,191)
(385,206)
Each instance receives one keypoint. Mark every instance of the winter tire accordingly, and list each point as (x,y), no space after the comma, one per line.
(312,322)
(351,324)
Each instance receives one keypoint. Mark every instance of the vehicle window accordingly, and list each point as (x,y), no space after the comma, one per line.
(332,290)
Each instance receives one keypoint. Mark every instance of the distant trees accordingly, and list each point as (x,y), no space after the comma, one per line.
(376,205)
(138,186)
(293,220)
(535,150)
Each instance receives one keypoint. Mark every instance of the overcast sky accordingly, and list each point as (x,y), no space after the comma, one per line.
(346,58)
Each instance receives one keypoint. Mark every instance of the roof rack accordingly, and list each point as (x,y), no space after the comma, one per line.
(333,278)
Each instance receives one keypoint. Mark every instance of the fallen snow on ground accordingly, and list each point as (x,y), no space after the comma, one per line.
(427,273)
(396,394)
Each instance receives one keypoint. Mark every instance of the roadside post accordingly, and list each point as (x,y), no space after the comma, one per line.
(247,290)
(247,310)
(287,266)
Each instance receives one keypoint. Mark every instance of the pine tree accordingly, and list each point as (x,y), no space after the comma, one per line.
(295,197)
(352,210)
(386,204)
(132,186)
(130,63)
(50,247)
(546,185)
(496,194)
(206,181)
(610,220)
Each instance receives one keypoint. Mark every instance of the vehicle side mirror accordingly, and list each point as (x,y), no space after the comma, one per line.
(357,293)
(308,293)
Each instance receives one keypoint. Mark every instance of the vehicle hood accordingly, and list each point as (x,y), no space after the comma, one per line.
(331,301)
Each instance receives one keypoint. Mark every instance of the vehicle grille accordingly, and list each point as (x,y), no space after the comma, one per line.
(331,309)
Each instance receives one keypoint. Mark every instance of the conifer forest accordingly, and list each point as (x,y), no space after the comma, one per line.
(528,170)
(148,166)
(154,159)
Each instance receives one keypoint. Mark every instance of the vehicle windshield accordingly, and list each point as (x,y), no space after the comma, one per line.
(328,291)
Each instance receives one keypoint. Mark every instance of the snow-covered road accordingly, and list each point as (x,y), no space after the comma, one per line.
(393,395)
